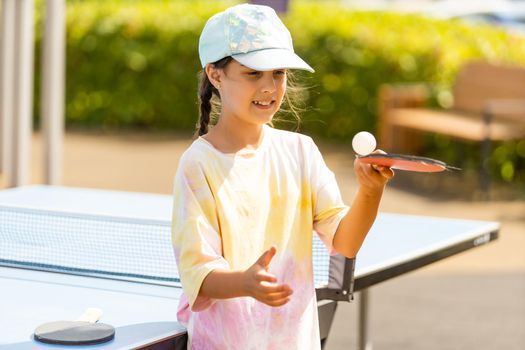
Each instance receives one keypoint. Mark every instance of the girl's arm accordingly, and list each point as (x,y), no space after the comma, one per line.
(254,282)
(354,227)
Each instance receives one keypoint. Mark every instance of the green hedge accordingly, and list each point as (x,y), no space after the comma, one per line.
(134,64)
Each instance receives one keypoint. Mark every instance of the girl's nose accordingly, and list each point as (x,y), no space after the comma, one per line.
(269,83)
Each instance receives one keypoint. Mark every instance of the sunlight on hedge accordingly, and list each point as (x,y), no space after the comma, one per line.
(134,64)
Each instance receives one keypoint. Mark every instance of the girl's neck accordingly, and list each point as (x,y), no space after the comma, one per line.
(235,137)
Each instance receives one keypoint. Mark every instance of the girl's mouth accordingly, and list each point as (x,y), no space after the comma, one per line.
(263,104)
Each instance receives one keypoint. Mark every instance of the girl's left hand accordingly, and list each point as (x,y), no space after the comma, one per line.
(372,178)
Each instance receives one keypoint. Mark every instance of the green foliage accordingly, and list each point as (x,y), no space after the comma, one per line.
(355,52)
(135,63)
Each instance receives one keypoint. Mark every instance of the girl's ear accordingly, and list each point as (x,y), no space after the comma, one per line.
(214,75)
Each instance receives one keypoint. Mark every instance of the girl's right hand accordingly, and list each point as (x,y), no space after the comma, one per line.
(372,179)
(262,285)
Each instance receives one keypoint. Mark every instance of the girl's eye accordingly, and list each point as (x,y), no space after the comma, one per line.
(256,73)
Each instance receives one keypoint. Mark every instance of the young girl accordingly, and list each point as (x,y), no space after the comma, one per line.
(247,197)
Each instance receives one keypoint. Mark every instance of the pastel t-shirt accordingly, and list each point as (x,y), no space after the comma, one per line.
(230,208)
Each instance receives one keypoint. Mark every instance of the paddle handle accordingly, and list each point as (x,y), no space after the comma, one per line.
(91,315)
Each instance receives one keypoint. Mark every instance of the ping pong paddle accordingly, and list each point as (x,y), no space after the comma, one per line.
(406,162)
(84,331)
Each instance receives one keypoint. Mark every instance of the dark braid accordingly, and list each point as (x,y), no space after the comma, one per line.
(206,92)
(205,95)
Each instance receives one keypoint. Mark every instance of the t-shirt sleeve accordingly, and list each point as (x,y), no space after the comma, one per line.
(328,206)
(195,234)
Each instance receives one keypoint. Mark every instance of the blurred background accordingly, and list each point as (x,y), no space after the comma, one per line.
(131,66)
(130,106)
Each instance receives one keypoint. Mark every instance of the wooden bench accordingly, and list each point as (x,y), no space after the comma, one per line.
(488,105)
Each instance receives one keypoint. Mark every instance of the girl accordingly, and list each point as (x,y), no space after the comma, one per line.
(247,197)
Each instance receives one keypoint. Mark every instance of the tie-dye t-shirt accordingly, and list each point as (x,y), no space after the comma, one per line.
(229,209)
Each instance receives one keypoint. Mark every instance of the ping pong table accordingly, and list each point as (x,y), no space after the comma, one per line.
(36,224)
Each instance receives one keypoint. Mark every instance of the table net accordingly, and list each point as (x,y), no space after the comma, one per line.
(103,246)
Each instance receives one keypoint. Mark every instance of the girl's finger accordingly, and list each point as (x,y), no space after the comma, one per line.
(268,288)
(267,277)
(379,151)
(277,298)
(383,172)
(286,291)
(388,173)
(266,257)
(277,303)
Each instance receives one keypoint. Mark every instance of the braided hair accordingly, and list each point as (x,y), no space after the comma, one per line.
(206,92)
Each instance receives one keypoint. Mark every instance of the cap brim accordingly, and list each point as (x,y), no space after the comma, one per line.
(270,59)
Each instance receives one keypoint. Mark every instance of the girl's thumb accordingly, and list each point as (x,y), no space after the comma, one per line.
(265,259)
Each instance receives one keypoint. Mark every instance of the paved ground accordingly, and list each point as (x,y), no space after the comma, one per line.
(475,300)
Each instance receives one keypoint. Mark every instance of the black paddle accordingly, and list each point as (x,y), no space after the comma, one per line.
(84,331)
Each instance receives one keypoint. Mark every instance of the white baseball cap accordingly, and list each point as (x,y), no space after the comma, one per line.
(251,34)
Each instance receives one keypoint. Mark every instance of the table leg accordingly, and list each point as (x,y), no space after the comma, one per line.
(363,341)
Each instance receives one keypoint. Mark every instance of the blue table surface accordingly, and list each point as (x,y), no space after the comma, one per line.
(143,312)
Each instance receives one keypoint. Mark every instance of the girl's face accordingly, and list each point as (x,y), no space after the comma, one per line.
(248,95)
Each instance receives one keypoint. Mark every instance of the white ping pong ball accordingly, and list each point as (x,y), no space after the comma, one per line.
(364,143)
